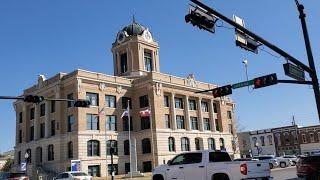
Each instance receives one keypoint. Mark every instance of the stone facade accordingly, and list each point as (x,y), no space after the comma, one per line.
(69,131)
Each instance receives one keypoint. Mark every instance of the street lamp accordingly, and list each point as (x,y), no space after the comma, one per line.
(257,145)
(26,156)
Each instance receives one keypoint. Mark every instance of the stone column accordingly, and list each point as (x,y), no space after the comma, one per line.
(186,112)
(212,116)
(26,121)
(46,120)
(36,122)
(173,113)
(200,117)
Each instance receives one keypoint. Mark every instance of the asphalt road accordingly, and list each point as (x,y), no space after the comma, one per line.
(289,173)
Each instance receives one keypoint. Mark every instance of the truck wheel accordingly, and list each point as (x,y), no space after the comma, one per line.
(157,177)
(220,177)
(282,164)
(271,165)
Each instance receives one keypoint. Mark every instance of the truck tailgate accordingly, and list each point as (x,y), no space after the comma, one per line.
(257,169)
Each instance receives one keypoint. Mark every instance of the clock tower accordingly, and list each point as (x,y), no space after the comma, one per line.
(135,52)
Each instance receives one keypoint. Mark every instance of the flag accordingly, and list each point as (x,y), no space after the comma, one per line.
(101,112)
(145,113)
(125,113)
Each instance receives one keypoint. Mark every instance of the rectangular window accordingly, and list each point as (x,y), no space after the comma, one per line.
(230,128)
(42,130)
(167,120)
(110,101)
(31,113)
(229,114)
(53,127)
(19,157)
(111,123)
(92,122)
(42,109)
(53,106)
(94,171)
(145,123)
(166,102)
(20,136)
(147,61)
(20,117)
(204,106)
(125,102)
(127,167)
(144,102)
(217,124)
(71,123)
(180,122)
(206,124)
(304,139)
(115,169)
(123,63)
(70,103)
(215,110)
(194,123)
(126,123)
(93,98)
(192,105)
(311,137)
(178,103)
(31,135)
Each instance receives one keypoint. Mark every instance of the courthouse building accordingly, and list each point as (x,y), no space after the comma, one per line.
(53,132)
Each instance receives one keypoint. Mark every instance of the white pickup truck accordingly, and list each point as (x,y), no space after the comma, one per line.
(210,165)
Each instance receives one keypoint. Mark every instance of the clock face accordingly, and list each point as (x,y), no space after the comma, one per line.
(121,36)
(147,35)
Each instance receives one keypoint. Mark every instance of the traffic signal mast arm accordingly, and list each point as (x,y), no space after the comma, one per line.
(256,37)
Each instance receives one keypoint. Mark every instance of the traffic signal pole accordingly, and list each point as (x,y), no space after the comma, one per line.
(311,70)
(313,73)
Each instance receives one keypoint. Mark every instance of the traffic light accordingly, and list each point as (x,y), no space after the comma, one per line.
(264,81)
(33,99)
(82,103)
(199,17)
(222,91)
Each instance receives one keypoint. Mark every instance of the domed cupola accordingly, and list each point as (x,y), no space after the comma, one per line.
(135,52)
(133,29)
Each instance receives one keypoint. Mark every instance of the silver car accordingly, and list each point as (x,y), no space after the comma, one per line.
(73,175)
(273,162)
(292,158)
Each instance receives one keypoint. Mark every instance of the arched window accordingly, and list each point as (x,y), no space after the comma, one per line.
(197,143)
(222,146)
(146,146)
(270,139)
(93,148)
(114,145)
(50,152)
(211,144)
(171,144)
(126,147)
(70,149)
(262,140)
(39,155)
(185,144)
(255,141)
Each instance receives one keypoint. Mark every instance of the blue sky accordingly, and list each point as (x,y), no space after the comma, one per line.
(47,37)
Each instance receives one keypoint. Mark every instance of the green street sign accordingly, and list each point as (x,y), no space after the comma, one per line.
(294,71)
(242,84)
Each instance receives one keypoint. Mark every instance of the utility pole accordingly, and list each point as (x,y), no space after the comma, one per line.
(297,134)
(313,73)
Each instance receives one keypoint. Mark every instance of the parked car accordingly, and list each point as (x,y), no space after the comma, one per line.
(309,166)
(4,175)
(293,159)
(245,159)
(210,164)
(273,162)
(73,175)
(18,176)
(284,162)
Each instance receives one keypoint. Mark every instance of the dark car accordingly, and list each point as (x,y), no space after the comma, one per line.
(18,176)
(309,166)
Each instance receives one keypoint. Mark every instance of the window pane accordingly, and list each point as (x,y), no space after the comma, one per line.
(110,101)
(93,98)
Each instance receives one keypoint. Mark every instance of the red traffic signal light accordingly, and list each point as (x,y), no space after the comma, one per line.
(264,81)
(82,103)
(222,91)
(33,99)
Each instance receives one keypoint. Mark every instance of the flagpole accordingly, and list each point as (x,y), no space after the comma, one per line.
(129,119)
(150,117)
